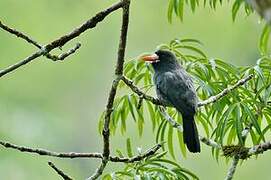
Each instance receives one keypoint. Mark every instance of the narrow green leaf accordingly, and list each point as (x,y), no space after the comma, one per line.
(152,114)
(181,9)
(170,10)
(129,147)
(263,45)
(253,120)
(180,137)
(129,101)
(192,48)
(235,8)
(170,142)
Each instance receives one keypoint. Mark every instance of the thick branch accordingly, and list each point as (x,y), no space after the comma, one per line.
(232,168)
(91,23)
(112,94)
(59,171)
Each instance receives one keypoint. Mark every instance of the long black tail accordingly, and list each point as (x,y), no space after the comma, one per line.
(190,134)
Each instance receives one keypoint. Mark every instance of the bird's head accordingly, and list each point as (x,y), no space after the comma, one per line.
(162,59)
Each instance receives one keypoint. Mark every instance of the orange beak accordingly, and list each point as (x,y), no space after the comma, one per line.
(151,58)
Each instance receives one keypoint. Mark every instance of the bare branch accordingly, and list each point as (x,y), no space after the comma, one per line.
(226,91)
(36,44)
(23,62)
(72,155)
(71,51)
(91,23)
(210,142)
(232,168)
(59,171)
(44,152)
(259,149)
(112,94)
(20,35)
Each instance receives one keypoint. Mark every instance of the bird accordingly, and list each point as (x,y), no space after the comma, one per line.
(174,87)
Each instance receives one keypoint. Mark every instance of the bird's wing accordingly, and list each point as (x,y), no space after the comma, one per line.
(177,88)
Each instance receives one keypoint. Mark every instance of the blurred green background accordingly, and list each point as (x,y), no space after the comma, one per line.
(56,105)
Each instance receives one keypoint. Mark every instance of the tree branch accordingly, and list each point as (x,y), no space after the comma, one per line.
(236,157)
(44,152)
(232,168)
(59,171)
(36,44)
(210,100)
(259,149)
(112,94)
(61,41)
(72,155)
(140,157)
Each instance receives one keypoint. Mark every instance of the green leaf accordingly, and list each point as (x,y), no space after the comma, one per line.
(181,9)
(129,147)
(192,48)
(129,101)
(124,114)
(152,114)
(263,45)
(170,142)
(235,8)
(238,123)
(170,10)
(101,123)
(253,119)
(180,137)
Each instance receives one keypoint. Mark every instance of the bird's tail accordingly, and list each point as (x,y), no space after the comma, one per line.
(190,134)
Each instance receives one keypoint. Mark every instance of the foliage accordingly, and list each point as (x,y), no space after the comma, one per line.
(177,7)
(224,120)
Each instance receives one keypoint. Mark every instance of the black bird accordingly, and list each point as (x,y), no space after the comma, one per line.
(174,87)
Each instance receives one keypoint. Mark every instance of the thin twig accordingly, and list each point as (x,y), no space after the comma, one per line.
(140,157)
(61,41)
(139,92)
(20,35)
(38,45)
(226,91)
(44,152)
(174,124)
(59,171)
(112,94)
